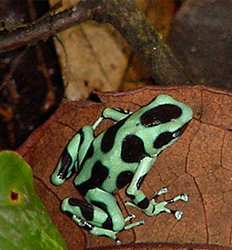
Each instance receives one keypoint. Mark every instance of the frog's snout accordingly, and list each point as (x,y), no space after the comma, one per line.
(187,114)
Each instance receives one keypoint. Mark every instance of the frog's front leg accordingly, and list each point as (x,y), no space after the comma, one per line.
(139,200)
(68,160)
(115,114)
(74,153)
(77,147)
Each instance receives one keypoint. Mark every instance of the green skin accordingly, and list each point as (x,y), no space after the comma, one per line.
(24,221)
(116,159)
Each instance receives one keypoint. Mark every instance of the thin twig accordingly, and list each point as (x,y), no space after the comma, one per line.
(124,16)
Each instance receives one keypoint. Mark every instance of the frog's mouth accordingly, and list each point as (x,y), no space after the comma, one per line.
(181,130)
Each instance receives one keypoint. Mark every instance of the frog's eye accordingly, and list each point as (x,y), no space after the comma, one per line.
(180,131)
(160,114)
(163,139)
(166,137)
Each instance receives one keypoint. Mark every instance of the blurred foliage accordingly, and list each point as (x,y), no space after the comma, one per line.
(25,223)
(30,84)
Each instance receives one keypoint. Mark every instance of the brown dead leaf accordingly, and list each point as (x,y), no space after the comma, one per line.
(199,164)
(92,57)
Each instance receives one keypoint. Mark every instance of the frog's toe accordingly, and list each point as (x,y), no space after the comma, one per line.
(135,224)
(130,204)
(130,217)
(178,214)
(163,190)
(184,197)
(118,242)
(57,180)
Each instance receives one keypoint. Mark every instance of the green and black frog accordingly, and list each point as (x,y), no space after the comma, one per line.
(121,156)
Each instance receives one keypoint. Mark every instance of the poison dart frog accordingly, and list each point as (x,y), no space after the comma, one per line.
(121,156)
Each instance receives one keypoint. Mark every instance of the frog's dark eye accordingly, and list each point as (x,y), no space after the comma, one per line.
(163,139)
(181,130)
(160,114)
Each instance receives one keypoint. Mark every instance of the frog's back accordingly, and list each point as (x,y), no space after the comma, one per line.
(114,155)
(104,166)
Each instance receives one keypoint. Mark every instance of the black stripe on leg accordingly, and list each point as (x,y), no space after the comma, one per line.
(108,224)
(87,227)
(88,155)
(66,162)
(131,196)
(124,178)
(143,204)
(140,181)
(85,207)
(82,136)
(69,214)
(100,205)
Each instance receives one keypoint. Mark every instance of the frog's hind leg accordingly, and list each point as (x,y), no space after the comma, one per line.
(107,202)
(89,217)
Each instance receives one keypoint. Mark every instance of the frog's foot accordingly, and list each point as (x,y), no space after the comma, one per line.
(88,217)
(98,231)
(163,190)
(131,225)
(178,214)
(160,207)
(181,197)
(129,217)
(155,208)
(135,224)
(82,223)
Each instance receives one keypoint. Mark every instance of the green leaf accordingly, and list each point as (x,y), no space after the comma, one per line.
(24,221)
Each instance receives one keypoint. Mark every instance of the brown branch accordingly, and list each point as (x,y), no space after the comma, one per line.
(124,16)
(43,28)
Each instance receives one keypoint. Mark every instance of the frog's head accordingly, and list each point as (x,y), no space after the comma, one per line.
(166,119)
